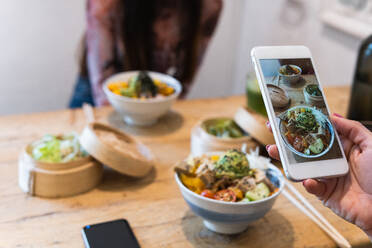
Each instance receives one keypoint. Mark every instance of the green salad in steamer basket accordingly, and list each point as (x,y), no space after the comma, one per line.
(57,149)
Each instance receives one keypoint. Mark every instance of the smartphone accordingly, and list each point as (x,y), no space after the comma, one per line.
(307,141)
(360,107)
(113,234)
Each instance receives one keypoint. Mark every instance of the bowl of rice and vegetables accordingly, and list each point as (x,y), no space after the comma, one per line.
(229,189)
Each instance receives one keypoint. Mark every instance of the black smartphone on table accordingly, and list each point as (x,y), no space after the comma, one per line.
(360,107)
(111,234)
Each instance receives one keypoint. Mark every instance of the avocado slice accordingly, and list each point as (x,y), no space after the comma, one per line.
(317,147)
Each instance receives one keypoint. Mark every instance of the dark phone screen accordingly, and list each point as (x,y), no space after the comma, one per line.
(360,108)
(113,234)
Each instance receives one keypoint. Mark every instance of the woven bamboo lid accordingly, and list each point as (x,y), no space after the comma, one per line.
(116,149)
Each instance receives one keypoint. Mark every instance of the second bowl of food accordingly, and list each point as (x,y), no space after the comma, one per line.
(141,98)
(290,74)
(229,190)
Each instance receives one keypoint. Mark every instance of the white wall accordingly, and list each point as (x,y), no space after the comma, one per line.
(38,53)
(39,43)
(268,22)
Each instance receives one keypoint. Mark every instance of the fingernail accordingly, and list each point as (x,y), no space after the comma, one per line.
(267,147)
(267,123)
(338,115)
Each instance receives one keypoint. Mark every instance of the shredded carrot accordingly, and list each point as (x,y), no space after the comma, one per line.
(275,190)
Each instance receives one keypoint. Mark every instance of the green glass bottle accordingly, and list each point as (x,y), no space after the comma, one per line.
(254,97)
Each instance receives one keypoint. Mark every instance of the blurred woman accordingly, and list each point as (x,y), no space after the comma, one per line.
(168,36)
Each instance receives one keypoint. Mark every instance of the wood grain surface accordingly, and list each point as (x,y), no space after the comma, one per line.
(153,205)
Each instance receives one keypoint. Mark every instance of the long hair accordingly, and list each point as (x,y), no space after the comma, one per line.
(136,18)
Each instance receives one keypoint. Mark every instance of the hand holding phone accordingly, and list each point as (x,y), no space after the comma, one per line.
(308,144)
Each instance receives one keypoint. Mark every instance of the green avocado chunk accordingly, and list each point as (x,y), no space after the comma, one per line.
(317,147)
(232,164)
(261,191)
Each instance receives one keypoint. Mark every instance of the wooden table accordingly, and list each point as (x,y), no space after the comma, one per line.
(154,205)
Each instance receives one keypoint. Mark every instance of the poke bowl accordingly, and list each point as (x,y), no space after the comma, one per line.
(225,211)
(306,131)
(140,97)
(290,73)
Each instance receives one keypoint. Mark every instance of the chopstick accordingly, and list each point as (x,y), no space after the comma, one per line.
(88,112)
(315,216)
(311,208)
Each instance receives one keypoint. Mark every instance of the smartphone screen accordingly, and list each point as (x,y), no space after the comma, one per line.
(360,107)
(111,234)
(300,111)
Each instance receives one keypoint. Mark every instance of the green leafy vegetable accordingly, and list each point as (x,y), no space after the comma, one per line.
(56,149)
(225,129)
(313,90)
(306,120)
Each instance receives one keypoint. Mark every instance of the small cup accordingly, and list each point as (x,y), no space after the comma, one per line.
(313,100)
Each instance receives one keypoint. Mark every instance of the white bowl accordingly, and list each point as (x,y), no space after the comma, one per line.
(231,217)
(313,100)
(321,118)
(203,142)
(291,79)
(141,112)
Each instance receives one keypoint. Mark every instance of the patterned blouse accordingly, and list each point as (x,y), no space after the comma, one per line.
(103,41)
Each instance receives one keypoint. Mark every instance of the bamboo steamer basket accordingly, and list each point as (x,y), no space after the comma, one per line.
(70,178)
(117,150)
(54,180)
(203,142)
(254,124)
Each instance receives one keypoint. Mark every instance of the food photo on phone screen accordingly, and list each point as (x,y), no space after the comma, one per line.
(300,110)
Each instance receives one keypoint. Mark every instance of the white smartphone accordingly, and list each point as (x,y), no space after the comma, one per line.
(308,143)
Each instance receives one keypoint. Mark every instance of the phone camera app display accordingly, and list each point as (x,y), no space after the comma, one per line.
(301,115)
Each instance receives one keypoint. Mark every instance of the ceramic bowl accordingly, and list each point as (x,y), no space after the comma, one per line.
(313,100)
(321,118)
(141,112)
(291,79)
(231,217)
(203,142)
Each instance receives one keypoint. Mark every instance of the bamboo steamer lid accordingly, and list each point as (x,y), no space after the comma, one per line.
(56,180)
(279,97)
(254,124)
(203,142)
(116,149)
